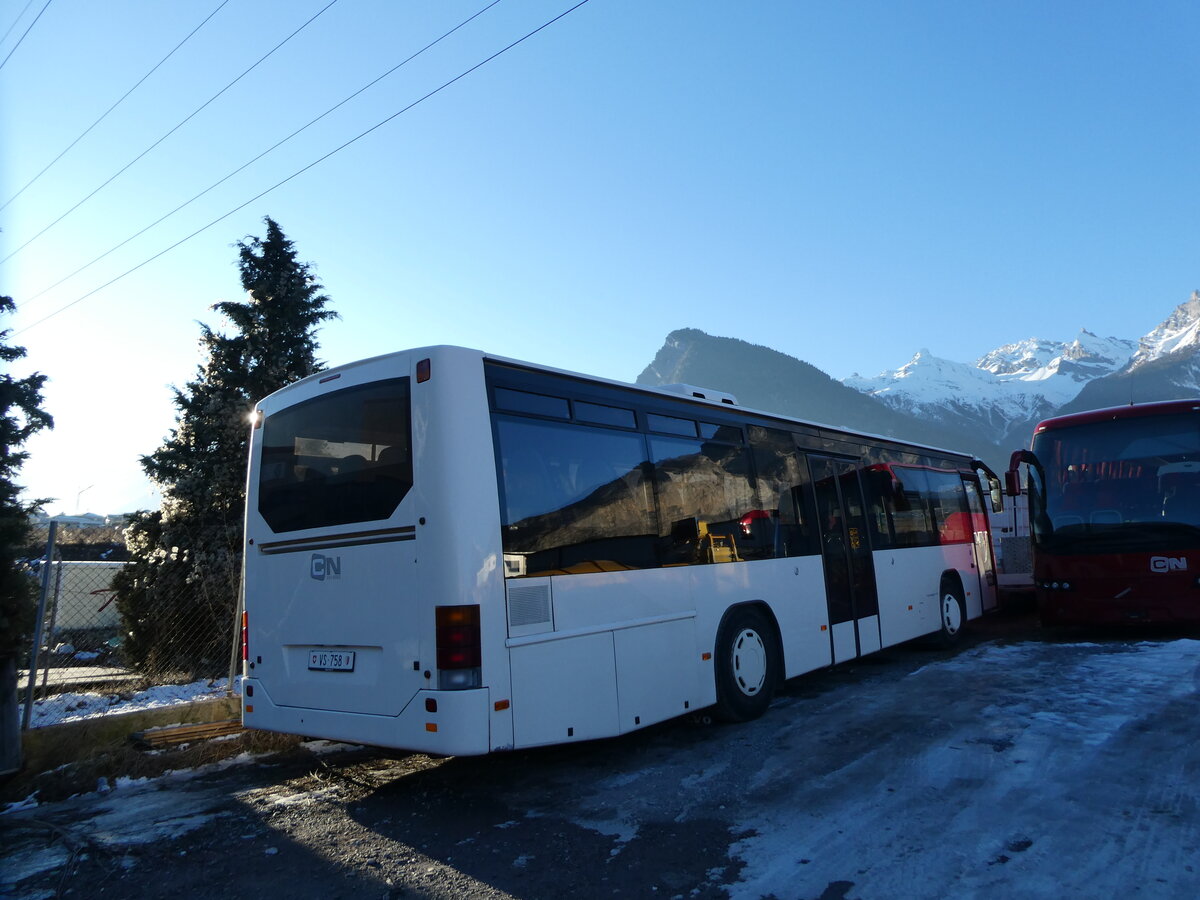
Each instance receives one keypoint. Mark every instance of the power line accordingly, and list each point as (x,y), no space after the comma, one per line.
(27,30)
(20,15)
(104,115)
(273,147)
(312,164)
(187,119)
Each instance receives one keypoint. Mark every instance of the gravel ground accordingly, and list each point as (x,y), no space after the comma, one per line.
(908,773)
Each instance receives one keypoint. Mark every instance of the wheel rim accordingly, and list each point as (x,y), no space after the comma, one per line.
(749,662)
(951,614)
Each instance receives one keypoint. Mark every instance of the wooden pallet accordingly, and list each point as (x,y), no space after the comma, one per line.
(174,735)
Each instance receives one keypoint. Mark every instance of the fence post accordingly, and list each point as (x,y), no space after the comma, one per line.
(37,631)
(235,653)
(50,636)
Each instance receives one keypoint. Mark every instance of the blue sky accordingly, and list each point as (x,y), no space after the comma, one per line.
(843,182)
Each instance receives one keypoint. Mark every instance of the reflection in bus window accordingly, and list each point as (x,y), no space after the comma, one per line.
(948,503)
(782,524)
(916,506)
(574,498)
(703,489)
(912,525)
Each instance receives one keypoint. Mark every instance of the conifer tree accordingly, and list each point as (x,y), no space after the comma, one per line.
(178,593)
(21,416)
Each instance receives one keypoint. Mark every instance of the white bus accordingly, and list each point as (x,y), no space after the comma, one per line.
(457,553)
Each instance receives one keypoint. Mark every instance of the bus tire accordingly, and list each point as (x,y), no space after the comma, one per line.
(952,614)
(747,665)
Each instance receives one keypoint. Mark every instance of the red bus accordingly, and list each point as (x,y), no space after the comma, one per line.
(1114,510)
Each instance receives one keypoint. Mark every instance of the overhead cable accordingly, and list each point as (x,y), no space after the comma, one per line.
(20,15)
(104,115)
(312,164)
(187,119)
(27,30)
(251,162)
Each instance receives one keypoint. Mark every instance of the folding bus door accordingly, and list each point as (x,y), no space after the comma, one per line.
(985,564)
(849,569)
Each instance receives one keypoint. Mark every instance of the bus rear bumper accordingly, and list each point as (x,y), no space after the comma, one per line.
(442,723)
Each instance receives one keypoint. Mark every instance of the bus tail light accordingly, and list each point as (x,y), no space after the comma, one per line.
(459,652)
(245,636)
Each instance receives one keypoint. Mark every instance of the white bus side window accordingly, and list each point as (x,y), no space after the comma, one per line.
(572,497)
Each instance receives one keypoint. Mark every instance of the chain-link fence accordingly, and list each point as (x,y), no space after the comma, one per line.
(80,664)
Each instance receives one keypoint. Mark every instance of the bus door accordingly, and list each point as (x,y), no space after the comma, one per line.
(849,569)
(985,563)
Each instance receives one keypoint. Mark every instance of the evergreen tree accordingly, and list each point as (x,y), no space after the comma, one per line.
(21,416)
(178,593)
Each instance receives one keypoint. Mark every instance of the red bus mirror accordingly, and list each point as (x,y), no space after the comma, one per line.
(1012,482)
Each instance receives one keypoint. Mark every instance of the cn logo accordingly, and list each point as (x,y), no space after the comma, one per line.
(322,567)
(1168,564)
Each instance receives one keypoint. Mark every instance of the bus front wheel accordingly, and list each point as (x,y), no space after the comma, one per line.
(747,665)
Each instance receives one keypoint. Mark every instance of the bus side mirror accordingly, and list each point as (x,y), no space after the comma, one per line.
(1012,478)
(1012,482)
(997,498)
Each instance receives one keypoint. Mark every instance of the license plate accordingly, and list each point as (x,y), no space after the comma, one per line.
(331,660)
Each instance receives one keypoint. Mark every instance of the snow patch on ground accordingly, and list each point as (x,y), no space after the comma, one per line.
(132,812)
(75,707)
(940,822)
(320,747)
(25,866)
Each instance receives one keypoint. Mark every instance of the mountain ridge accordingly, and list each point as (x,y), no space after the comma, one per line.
(987,408)
(766,379)
(1009,390)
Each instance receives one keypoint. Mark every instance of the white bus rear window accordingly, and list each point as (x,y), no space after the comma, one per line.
(341,458)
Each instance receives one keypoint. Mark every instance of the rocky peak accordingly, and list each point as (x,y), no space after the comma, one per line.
(1180,332)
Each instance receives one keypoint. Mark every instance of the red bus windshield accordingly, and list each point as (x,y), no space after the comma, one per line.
(1126,483)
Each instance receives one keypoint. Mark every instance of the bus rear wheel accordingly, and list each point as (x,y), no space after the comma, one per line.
(952,614)
(747,666)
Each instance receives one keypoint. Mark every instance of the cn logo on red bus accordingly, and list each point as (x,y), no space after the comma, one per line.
(1168,564)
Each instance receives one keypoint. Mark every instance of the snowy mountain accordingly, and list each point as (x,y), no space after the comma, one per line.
(762,378)
(1180,334)
(1059,369)
(1011,388)
(1005,390)
(1166,366)
(968,397)
(988,407)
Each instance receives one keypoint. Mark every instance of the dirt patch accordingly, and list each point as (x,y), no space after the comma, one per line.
(74,758)
(103,765)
